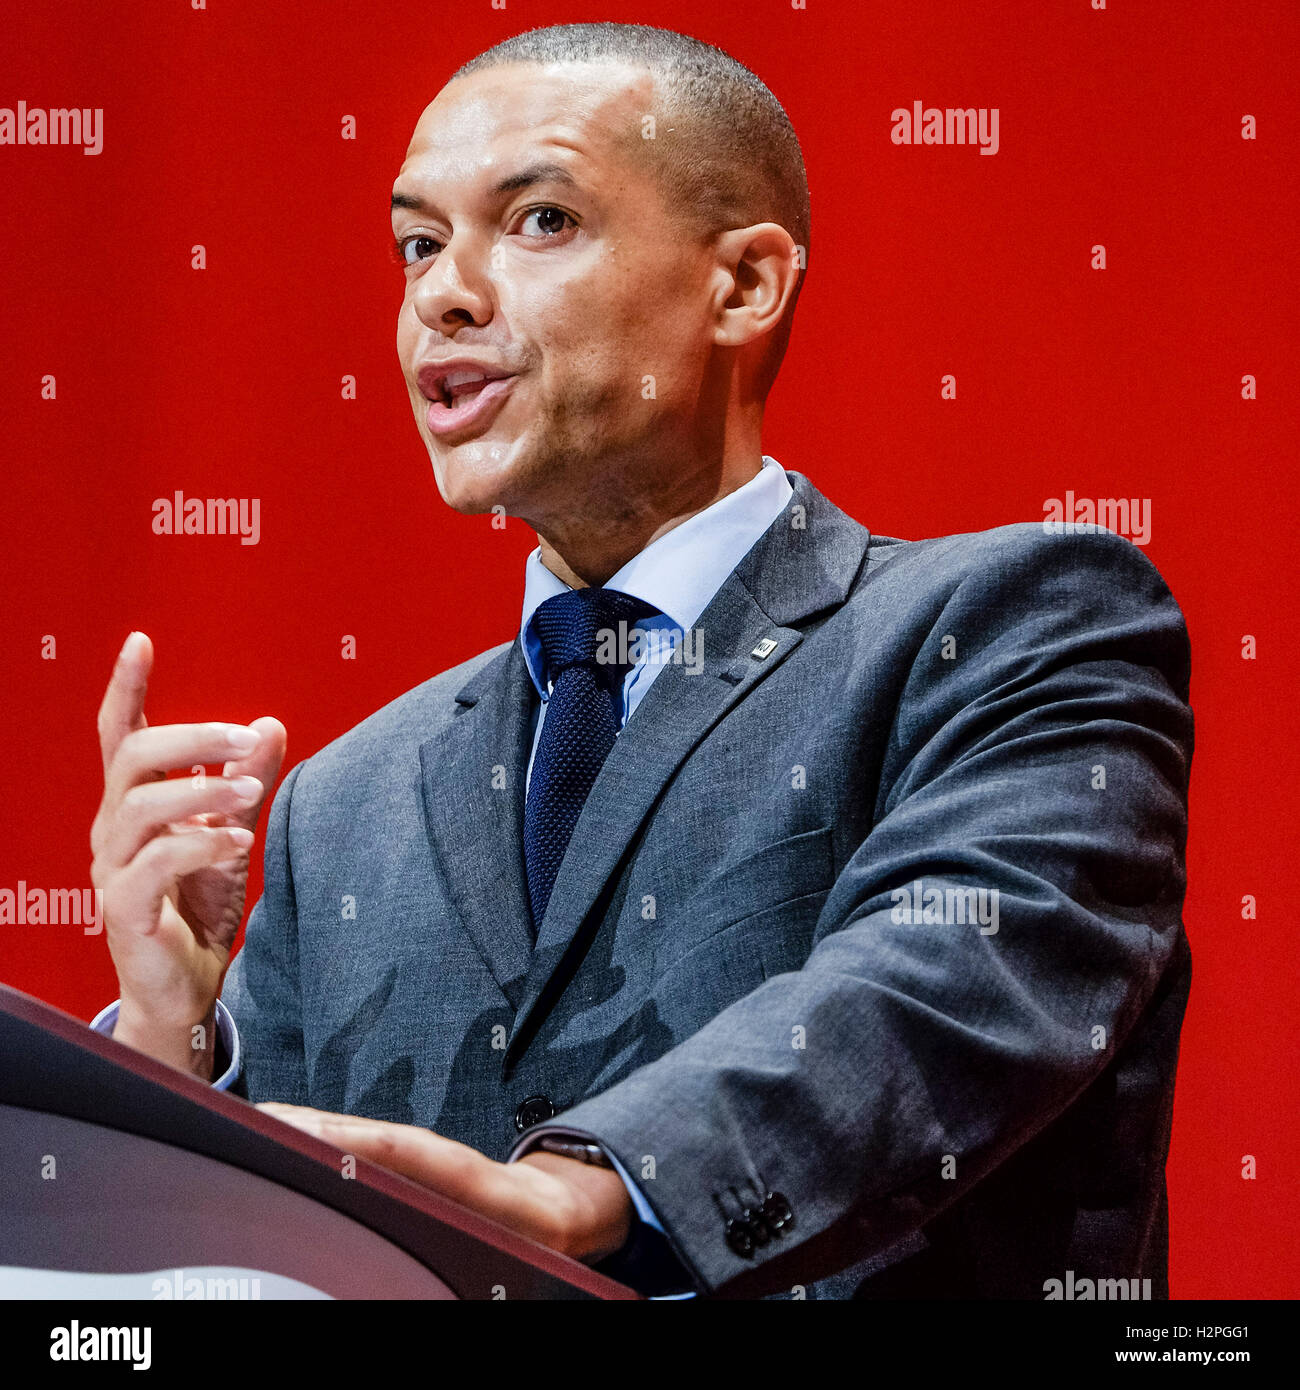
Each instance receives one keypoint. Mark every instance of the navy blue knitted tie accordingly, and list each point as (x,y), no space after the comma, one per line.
(584,634)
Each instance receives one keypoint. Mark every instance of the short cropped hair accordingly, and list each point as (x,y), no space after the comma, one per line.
(731,157)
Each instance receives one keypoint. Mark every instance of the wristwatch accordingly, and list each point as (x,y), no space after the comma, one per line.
(575,1148)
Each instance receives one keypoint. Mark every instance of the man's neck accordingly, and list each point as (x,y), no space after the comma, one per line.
(596,548)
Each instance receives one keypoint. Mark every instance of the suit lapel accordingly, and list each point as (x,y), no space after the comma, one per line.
(804,563)
(476,827)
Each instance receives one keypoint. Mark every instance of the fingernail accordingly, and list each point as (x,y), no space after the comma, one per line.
(243,740)
(245,788)
(129,638)
(243,838)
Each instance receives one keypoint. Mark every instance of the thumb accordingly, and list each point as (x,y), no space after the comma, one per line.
(263,763)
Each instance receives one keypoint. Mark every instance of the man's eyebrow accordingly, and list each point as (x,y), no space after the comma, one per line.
(512,183)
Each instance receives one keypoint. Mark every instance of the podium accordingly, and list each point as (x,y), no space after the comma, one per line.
(123,1178)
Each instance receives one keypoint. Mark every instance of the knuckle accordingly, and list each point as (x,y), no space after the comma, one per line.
(154,857)
(112,896)
(121,912)
(135,808)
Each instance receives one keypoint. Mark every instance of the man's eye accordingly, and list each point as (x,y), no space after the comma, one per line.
(413,249)
(552,220)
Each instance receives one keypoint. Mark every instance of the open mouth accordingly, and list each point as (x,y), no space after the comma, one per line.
(461,385)
(464,398)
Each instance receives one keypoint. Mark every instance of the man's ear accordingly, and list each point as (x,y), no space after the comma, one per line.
(757,276)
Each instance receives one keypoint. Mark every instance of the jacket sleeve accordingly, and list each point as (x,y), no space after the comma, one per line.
(261,987)
(1039,754)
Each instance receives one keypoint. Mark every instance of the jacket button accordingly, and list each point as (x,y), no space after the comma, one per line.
(777,1211)
(755,1220)
(740,1236)
(532,1111)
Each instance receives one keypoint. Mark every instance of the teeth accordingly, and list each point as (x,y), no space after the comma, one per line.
(457,385)
(460,379)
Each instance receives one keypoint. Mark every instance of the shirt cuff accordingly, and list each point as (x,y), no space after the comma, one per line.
(646,1261)
(227,1043)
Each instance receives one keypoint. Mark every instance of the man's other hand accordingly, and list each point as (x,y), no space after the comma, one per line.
(573,1207)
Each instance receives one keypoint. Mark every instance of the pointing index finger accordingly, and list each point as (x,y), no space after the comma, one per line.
(122,709)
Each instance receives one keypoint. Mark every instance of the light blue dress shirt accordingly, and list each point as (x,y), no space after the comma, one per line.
(677,574)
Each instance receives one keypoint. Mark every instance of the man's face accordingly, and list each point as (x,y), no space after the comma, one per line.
(538,245)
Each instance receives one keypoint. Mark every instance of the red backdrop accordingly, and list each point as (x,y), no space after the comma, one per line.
(222,127)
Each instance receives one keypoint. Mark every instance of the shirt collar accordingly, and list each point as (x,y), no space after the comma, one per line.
(680,571)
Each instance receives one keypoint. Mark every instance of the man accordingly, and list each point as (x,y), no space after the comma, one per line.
(784,911)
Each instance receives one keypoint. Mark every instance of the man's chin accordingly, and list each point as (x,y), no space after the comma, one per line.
(476,476)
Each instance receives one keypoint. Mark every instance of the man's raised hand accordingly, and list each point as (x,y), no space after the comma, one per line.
(171,859)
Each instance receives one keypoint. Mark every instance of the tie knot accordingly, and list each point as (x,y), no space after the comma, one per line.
(589,627)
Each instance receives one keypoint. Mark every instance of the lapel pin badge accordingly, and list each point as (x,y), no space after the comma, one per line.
(765,648)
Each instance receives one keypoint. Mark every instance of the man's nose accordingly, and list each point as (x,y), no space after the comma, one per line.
(456,287)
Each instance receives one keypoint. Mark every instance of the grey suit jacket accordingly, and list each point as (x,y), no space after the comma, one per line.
(761,969)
